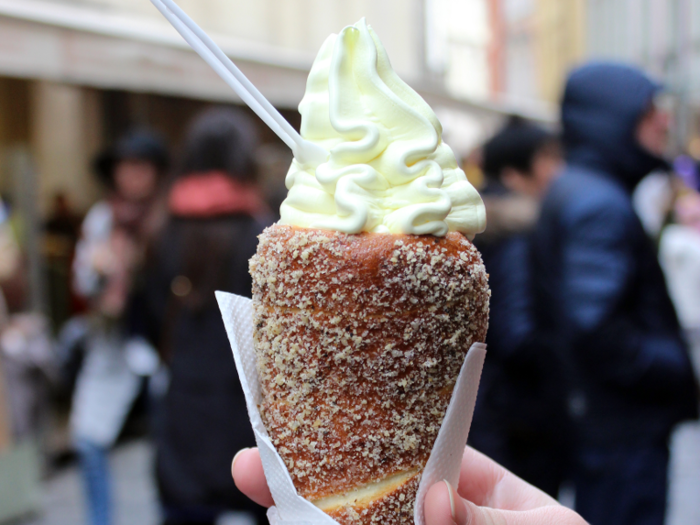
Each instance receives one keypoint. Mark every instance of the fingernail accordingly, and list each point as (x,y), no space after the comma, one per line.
(453,511)
(457,507)
(236,456)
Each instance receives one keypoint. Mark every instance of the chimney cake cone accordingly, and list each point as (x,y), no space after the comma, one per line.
(360,339)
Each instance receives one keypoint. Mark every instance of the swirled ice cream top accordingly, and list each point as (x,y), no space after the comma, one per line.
(388,169)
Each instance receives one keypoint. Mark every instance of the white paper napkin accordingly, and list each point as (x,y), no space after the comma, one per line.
(292,509)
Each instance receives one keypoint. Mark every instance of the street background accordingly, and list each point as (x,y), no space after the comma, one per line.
(76,74)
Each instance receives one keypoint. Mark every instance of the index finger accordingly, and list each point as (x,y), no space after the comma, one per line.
(486,483)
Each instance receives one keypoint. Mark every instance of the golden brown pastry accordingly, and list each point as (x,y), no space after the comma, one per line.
(360,339)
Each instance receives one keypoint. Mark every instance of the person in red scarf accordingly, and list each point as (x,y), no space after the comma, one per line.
(107,270)
(215,215)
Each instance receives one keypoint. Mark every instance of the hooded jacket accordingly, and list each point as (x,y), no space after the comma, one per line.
(600,291)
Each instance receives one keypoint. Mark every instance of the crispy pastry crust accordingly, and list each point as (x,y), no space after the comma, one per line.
(360,339)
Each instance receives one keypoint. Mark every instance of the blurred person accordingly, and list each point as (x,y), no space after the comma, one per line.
(216,213)
(28,364)
(106,271)
(61,231)
(519,419)
(13,274)
(602,298)
(27,360)
(9,250)
(273,162)
(679,251)
(63,221)
(486,494)
(472,165)
(654,197)
(686,168)
(652,200)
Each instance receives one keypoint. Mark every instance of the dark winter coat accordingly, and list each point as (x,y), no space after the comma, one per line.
(601,293)
(519,417)
(203,421)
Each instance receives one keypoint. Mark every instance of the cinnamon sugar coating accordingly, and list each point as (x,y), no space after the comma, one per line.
(360,339)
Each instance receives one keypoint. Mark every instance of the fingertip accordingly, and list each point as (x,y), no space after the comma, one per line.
(235,457)
(249,476)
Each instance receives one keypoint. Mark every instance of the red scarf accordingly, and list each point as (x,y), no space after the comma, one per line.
(213,194)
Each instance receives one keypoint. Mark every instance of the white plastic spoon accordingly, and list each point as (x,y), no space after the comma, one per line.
(306,152)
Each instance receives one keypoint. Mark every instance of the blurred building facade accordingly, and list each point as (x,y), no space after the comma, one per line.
(74,71)
(515,54)
(91,67)
(662,36)
(510,54)
(74,74)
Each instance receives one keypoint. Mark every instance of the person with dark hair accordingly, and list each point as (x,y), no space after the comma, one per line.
(517,420)
(109,259)
(602,296)
(215,215)
(523,158)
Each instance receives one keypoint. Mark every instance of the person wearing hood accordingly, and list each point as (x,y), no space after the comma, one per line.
(517,417)
(602,297)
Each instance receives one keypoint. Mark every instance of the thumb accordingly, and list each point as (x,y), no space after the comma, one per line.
(443,506)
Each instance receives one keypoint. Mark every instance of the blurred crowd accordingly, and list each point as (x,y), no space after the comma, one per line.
(594,317)
(147,260)
(593,252)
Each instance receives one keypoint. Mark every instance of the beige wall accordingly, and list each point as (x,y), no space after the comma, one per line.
(539,41)
(14,124)
(127,45)
(300,25)
(65,133)
(560,36)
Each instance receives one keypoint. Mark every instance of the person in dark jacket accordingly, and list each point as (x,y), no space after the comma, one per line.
(603,299)
(518,417)
(216,214)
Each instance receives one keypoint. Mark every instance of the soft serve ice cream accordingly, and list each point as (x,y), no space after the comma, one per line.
(388,170)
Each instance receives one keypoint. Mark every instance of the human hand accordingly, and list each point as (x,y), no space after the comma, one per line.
(101,258)
(488,494)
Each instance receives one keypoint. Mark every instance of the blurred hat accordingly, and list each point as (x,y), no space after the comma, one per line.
(514,146)
(135,145)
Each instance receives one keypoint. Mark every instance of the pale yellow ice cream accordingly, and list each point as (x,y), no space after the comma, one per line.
(388,169)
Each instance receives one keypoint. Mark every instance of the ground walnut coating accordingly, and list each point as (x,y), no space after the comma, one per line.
(360,339)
